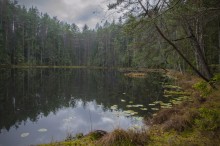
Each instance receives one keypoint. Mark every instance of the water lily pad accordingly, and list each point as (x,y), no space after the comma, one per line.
(155,109)
(166,107)
(130,102)
(139,118)
(143,109)
(114,107)
(124,93)
(157,102)
(25,134)
(42,130)
(129,106)
(122,100)
(138,105)
(130,112)
(151,104)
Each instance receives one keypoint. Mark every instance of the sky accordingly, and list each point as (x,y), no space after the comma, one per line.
(80,12)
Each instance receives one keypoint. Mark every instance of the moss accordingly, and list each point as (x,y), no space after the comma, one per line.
(81,142)
(208,120)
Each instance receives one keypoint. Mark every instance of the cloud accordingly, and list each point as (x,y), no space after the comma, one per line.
(80,12)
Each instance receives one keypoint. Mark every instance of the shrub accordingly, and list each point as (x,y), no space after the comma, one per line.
(203,87)
(208,120)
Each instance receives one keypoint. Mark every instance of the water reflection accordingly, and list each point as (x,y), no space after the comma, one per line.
(69,101)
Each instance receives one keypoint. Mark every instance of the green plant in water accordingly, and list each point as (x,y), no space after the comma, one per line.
(208,120)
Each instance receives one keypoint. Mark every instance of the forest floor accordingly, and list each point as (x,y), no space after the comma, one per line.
(192,122)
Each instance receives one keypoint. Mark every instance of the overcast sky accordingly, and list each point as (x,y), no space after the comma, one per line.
(80,12)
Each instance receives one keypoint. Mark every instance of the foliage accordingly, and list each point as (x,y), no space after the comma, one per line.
(216,78)
(208,119)
(203,87)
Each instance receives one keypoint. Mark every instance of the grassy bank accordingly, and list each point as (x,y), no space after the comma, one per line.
(193,122)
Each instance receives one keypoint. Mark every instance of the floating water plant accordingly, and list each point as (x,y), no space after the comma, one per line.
(157,102)
(143,109)
(114,107)
(42,130)
(137,105)
(176,102)
(166,107)
(129,106)
(166,93)
(122,100)
(172,87)
(130,102)
(130,112)
(138,118)
(24,135)
(151,104)
(155,109)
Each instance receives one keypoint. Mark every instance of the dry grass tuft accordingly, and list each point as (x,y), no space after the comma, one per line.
(164,115)
(180,122)
(178,118)
(121,137)
(135,75)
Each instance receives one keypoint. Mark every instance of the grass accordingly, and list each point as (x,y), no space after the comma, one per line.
(191,123)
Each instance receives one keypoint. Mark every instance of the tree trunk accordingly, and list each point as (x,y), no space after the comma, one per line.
(180,53)
(219,39)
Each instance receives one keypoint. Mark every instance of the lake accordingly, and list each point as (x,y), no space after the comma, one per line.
(44,105)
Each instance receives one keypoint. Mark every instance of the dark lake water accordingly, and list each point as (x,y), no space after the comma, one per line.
(44,105)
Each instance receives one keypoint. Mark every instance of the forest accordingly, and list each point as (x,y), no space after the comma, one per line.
(174,34)
(157,63)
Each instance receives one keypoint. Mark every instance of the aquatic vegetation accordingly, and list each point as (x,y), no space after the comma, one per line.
(130,112)
(167,92)
(152,104)
(128,106)
(25,135)
(136,105)
(114,107)
(122,100)
(42,130)
(172,87)
(157,102)
(143,109)
(138,119)
(155,109)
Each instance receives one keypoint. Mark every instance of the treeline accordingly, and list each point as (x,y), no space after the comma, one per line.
(30,37)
